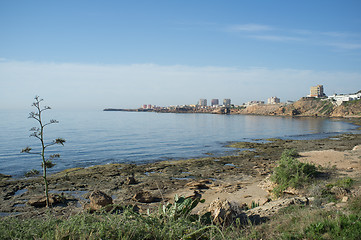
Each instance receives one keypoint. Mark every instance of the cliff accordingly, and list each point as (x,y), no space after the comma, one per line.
(307,107)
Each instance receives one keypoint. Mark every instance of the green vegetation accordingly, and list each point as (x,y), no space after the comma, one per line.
(306,222)
(294,222)
(173,221)
(38,132)
(326,108)
(290,172)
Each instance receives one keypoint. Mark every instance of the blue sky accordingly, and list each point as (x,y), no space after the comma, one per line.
(97,54)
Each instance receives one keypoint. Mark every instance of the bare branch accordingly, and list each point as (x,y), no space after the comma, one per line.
(53,156)
(51,122)
(28,150)
(60,141)
(56,141)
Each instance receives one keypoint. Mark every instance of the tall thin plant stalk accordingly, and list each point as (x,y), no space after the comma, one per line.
(38,132)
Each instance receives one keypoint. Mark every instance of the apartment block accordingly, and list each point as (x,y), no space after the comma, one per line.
(202,102)
(273,100)
(227,102)
(317,91)
(214,102)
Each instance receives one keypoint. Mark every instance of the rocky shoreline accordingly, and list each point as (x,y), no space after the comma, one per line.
(234,178)
(305,107)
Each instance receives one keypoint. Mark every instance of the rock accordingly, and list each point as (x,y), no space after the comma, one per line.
(194,195)
(339,192)
(40,201)
(356,148)
(130,180)
(267,184)
(98,200)
(143,197)
(3,176)
(291,191)
(331,204)
(198,184)
(271,208)
(344,199)
(223,212)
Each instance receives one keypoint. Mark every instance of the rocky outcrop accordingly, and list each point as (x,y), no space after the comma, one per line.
(223,212)
(271,208)
(313,107)
(99,200)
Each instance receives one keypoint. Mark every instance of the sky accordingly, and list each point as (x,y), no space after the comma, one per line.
(89,54)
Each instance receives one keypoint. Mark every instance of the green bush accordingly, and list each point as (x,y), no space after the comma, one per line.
(290,172)
(340,227)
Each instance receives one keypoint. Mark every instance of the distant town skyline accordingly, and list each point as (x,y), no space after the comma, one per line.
(94,55)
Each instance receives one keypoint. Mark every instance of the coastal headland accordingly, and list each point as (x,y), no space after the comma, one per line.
(305,107)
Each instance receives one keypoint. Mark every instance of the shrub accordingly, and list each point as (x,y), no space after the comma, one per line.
(290,172)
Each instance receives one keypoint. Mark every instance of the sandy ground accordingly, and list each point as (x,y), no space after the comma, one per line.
(346,163)
(240,191)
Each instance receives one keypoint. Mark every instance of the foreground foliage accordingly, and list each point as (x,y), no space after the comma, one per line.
(125,225)
(301,222)
(290,172)
(294,222)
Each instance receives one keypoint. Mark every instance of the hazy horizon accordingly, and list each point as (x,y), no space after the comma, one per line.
(95,55)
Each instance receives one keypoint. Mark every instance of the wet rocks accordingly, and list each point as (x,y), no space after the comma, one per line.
(4,176)
(40,201)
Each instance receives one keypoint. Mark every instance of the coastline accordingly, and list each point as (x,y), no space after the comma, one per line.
(233,177)
(305,107)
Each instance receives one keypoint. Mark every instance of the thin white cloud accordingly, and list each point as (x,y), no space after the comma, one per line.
(277,38)
(335,39)
(347,46)
(250,28)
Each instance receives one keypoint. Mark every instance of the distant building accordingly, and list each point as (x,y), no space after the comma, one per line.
(144,106)
(253,103)
(227,102)
(273,100)
(340,98)
(214,102)
(202,102)
(317,91)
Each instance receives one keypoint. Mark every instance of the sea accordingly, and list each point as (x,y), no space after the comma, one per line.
(99,137)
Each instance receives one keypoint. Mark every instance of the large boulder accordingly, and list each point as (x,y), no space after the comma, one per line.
(99,200)
(223,212)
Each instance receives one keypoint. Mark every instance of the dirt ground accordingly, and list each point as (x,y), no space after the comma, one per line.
(346,163)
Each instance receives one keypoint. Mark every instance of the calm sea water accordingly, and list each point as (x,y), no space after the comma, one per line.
(97,137)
